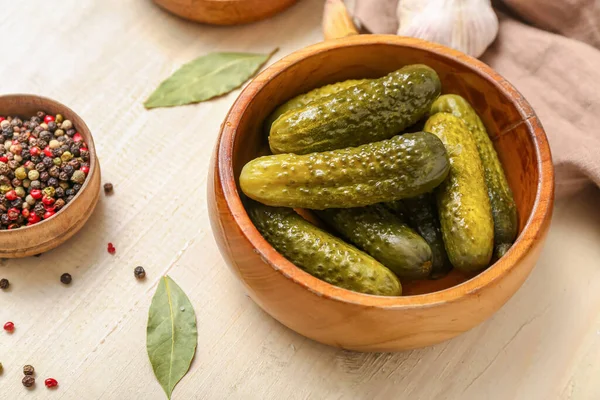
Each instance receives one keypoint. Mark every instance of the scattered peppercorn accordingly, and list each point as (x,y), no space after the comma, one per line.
(4,284)
(28,370)
(9,327)
(28,381)
(51,383)
(139,272)
(1,368)
(108,188)
(66,278)
(42,155)
(111,249)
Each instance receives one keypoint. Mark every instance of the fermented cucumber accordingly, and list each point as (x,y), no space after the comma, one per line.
(322,254)
(305,98)
(422,216)
(384,236)
(404,166)
(504,209)
(462,199)
(373,110)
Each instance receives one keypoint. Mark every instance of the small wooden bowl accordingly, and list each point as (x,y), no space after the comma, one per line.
(225,12)
(439,310)
(54,231)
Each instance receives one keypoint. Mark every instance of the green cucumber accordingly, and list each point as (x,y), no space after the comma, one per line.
(404,166)
(422,216)
(462,199)
(384,236)
(373,110)
(504,209)
(322,254)
(305,98)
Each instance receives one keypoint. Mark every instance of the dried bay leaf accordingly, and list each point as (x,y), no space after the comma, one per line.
(206,77)
(172,334)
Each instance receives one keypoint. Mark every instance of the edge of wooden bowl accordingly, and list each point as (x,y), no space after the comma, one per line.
(533,231)
(54,231)
(225,12)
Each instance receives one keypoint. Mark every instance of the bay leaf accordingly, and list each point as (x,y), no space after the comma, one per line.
(206,77)
(172,334)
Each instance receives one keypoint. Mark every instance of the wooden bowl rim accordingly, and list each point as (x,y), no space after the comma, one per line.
(541,210)
(91,147)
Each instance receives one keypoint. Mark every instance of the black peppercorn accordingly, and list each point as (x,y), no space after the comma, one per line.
(41,115)
(52,126)
(36,159)
(69,192)
(45,135)
(16,122)
(17,203)
(108,188)
(63,176)
(68,169)
(85,155)
(28,370)
(66,278)
(57,152)
(40,167)
(69,198)
(48,162)
(16,182)
(139,272)
(39,209)
(28,381)
(59,192)
(4,220)
(71,132)
(76,187)
(54,171)
(4,284)
(44,176)
(60,203)
(53,182)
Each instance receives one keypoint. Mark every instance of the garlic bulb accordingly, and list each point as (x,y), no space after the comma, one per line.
(466,25)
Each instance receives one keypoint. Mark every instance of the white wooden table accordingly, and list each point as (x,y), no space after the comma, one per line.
(103,58)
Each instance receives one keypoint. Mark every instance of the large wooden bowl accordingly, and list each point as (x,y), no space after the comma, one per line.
(225,12)
(352,320)
(54,231)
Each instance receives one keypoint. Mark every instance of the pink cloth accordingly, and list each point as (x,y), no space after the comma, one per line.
(559,75)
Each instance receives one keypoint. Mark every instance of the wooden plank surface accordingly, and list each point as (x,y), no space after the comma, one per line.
(103,58)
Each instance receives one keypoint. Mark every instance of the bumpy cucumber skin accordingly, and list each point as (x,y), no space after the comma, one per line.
(504,209)
(404,166)
(462,199)
(322,254)
(368,112)
(383,236)
(305,98)
(422,216)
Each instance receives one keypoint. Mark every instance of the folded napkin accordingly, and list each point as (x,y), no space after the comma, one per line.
(558,73)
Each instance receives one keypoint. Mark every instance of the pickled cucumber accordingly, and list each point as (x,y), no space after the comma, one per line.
(303,99)
(462,199)
(322,254)
(384,236)
(404,166)
(368,112)
(504,209)
(422,216)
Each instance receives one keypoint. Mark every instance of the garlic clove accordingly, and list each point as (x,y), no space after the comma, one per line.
(466,25)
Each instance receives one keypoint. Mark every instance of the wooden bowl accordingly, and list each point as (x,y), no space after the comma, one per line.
(357,321)
(50,233)
(225,12)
